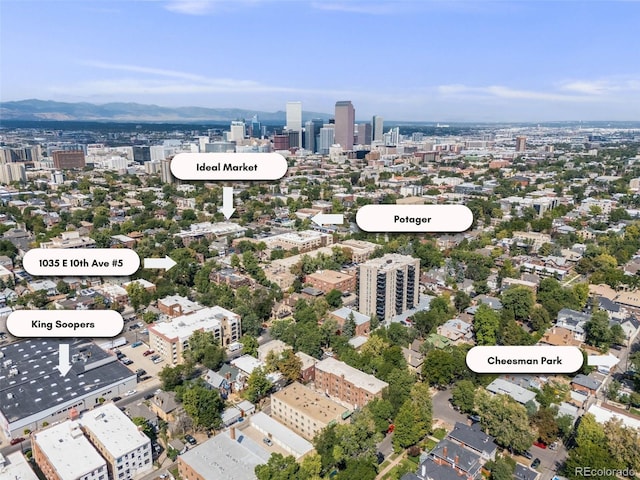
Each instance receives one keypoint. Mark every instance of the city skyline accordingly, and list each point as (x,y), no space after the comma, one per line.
(418,61)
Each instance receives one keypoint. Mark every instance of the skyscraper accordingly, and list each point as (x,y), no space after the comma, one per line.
(294,119)
(327,138)
(378,128)
(345,118)
(364,134)
(521,144)
(256,127)
(312,134)
(388,286)
(66,160)
(237,132)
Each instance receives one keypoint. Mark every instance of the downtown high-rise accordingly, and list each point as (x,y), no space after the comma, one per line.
(344,127)
(294,121)
(378,128)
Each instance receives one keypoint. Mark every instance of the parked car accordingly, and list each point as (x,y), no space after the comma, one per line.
(190,439)
(127,361)
(474,418)
(141,371)
(130,392)
(539,444)
(148,352)
(136,344)
(535,463)
(148,396)
(155,357)
(158,360)
(116,399)
(527,455)
(267,441)
(15,441)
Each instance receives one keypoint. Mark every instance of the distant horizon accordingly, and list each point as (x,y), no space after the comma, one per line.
(271,121)
(451,60)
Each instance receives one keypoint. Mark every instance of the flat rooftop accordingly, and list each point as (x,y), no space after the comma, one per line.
(312,403)
(360,379)
(222,457)
(183,327)
(15,467)
(114,429)
(69,451)
(31,383)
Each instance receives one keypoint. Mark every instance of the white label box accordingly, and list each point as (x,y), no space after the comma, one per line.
(65,323)
(81,262)
(414,218)
(229,166)
(525,359)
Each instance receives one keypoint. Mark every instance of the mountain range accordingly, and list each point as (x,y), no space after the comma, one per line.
(35,109)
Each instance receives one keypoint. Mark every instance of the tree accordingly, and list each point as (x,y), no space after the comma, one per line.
(413,421)
(463,395)
(249,345)
(597,330)
(172,377)
(204,348)
(290,365)
(349,327)
(592,449)
(519,300)
(486,323)
(138,295)
(544,420)
(505,419)
(502,468)
(278,467)
(439,368)
(203,405)
(461,300)
(540,319)
(334,298)
(258,385)
(360,469)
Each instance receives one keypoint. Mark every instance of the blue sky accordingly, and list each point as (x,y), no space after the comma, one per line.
(432,60)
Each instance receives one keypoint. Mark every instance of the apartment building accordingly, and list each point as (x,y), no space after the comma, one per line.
(327,280)
(70,240)
(121,443)
(388,286)
(171,339)
(304,410)
(62,452)
(347,384)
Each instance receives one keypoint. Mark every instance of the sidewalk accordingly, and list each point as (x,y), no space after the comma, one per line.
(391,465)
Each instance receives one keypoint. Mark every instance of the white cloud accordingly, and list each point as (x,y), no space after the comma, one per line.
(504,92)
(604,86)
(206,7)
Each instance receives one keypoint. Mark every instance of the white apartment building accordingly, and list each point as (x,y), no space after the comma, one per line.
(171,339)
(125,447)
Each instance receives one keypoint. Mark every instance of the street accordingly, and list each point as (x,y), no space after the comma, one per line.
(443,410)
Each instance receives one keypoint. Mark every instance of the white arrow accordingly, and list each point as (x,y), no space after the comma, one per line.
(328,219)
(164,263)
(63,359)
(227,202)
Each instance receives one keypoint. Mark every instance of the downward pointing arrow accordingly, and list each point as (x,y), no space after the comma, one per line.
(63,359)
(227,202)
(328,219)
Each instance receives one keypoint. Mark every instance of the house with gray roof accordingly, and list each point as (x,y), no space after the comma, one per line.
(519,394)
(474,439)
(585,384)
(457,458)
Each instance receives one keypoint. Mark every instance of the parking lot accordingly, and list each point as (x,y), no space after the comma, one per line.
(244,428)
(140,361)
